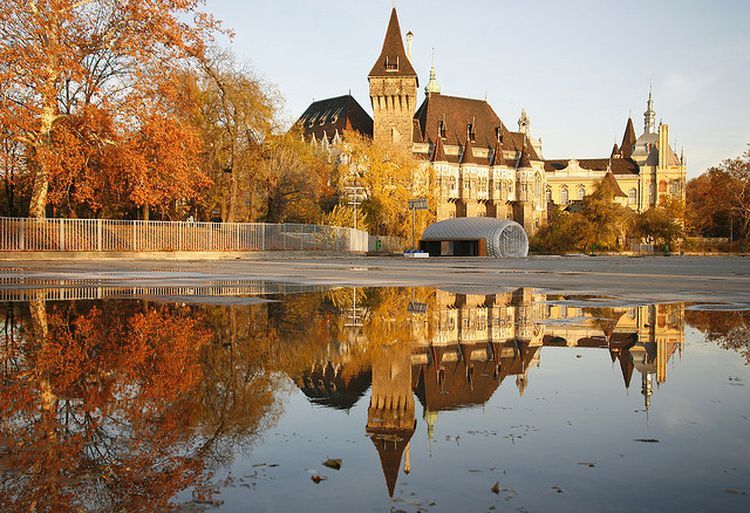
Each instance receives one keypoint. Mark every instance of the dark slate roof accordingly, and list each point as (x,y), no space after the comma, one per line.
(620,166)
(628,140)
(458,113)
(524,161)
(497,155)
(340,113)
(393,51)
(615,151)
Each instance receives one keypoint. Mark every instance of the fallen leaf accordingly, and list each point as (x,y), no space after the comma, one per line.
(496,488)
(317,478)
(335,464)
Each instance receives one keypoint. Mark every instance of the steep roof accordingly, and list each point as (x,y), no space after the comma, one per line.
(615,151)
(622,166)
(468,156)
(458,113)
(390,444)
(497,154)
(611,182)
(438,154)
(339,113)
(393,53)
(628,140)
(524,161)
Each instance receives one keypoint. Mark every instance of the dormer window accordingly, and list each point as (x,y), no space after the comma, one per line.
(441,129)
(470,132)
(391,65)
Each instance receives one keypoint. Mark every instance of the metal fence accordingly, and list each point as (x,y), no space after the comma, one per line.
(27,234)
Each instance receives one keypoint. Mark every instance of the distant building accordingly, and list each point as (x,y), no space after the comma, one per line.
(484,169)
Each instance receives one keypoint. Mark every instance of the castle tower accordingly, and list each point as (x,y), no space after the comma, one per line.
(390,416)
(393,89)
(432,86)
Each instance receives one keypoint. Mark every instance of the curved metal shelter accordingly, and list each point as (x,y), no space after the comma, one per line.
(476,236)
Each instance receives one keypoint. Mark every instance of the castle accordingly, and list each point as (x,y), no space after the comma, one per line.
(482,168)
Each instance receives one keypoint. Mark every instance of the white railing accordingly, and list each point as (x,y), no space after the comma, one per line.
(107,235)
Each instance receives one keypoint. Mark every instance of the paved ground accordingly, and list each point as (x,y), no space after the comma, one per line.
(715,279)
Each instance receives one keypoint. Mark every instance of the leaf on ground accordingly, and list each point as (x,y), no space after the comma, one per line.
(335,464)
(496,488)
(317,478)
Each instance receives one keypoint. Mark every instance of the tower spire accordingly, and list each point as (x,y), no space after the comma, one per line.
(432,86)
(649,117)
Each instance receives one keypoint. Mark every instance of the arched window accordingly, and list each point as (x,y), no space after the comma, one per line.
(662,187)
(633,196)
(548,194)
(581,192)
(564,196)
(651,194)
(453,182)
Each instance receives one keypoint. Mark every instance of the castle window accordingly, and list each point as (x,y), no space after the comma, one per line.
(548,194)
(581,192)
(390,65)
(632,196)
(662,187)
(651,194)
(674,187)
(453,182)
(564,196)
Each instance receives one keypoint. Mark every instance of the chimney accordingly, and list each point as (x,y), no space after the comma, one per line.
(409,41)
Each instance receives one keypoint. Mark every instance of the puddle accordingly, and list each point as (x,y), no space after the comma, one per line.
(237,396)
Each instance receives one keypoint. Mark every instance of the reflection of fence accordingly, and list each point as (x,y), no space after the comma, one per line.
(385,244)
(22,234)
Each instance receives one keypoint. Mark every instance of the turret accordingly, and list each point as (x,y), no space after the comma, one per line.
(649,117)
(432,86)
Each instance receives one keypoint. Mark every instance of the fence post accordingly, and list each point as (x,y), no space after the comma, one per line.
(99,235)
(263,236)
(23,235)
(62,235)
(133,225)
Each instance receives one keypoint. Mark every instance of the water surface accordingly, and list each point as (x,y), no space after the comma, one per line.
(225,399)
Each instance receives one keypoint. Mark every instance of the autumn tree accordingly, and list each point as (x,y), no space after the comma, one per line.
(718,201)
(59,56)
(296,178)
(391,176)
(662,225)
(234,113)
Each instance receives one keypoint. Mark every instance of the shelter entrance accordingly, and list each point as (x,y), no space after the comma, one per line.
(462,248)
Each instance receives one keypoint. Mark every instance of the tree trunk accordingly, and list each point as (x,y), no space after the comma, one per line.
(146,213)
(233,191)
(43,139)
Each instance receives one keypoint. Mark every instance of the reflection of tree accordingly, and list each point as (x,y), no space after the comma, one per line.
(120,407)
(730,330)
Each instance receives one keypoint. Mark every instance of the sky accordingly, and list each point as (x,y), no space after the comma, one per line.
(579,67)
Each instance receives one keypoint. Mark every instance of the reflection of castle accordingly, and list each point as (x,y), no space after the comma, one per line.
(462,348)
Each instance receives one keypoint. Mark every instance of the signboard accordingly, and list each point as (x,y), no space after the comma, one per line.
(418,204)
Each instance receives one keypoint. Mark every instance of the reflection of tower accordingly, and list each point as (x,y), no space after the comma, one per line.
(647,389)
(390,418)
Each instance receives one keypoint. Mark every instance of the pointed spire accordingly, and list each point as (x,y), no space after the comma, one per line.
(497,156)
(438,155)
(615,152)
(432,86)
(628,140)
(393,60)
(468,156)
(524,123)
(524,162)
(649,117)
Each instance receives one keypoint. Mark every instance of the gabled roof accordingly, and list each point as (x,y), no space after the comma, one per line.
(340,113)
(497,155)
(610,180)
(458,113)
(524,162)
(438,154)
(393,52)
(628,140)
(468,156)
